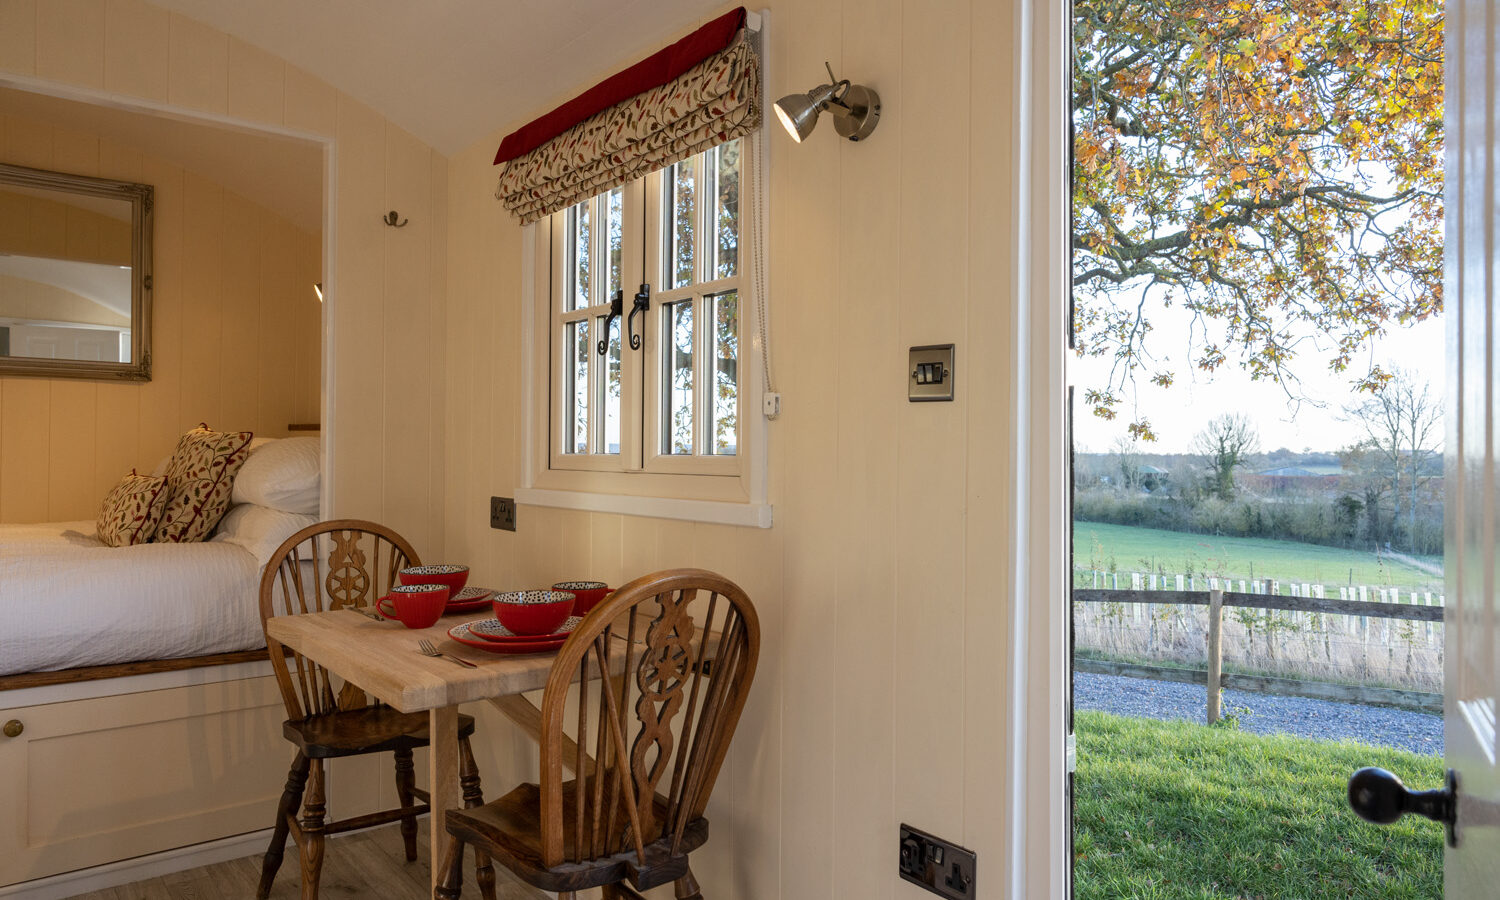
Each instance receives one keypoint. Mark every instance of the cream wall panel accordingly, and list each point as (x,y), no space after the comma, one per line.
(357,309)
(409,341)
(872,382)
(257,84)
(136,56)
(162,416)
(989,337)
(70,453)
(240,340)
(18,36)
(24,480)
(199,60)
(309,103)
(70,42)
(435,389)
(225,268)
(929,685)
(203,251)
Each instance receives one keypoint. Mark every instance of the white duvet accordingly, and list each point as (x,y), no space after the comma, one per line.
(67,600)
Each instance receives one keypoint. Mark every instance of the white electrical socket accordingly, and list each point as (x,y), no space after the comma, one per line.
(770,405)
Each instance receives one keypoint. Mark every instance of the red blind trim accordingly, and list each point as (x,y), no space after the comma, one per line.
(651,72)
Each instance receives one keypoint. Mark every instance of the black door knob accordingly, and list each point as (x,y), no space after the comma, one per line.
(1378,796)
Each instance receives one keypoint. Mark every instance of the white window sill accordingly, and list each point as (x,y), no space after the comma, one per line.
(753,515)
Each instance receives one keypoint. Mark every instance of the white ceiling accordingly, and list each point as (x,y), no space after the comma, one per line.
(452,71)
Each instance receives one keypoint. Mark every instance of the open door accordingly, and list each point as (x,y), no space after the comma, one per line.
(1470,802)
(1472,867)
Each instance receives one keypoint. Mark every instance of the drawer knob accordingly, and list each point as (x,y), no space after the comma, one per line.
(13,728)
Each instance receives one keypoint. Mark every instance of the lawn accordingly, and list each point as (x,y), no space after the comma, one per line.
(1129,549)
(1168,810)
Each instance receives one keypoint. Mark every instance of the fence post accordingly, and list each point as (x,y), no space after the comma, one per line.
(1215,651)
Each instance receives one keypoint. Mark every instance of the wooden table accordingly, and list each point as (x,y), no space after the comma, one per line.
(383,659)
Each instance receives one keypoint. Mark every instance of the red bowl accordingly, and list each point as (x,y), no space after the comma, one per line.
(589,594)
(455,577)
(414,605)
(533,612)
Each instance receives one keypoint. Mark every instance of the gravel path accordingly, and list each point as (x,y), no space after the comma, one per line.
(1268,713)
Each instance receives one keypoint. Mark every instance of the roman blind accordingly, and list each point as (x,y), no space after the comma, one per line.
(697,93)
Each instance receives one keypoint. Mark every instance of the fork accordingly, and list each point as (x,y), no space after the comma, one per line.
(429,650)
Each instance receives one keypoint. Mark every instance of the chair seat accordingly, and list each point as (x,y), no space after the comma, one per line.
(370,729)
(510,830)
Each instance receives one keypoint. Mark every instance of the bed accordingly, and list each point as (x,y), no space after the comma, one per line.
(151,653)
(67,600)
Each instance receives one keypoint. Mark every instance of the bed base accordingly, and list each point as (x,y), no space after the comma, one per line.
(120,670)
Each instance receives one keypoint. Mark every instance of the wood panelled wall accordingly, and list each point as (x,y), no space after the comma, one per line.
(882,587)
(235,340)
(386,286)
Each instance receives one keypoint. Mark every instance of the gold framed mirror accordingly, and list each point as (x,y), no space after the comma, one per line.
(75,276)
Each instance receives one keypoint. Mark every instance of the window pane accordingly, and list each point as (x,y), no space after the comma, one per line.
(610,384)
(726,350)
(616,204)
(682,219)
(579,230)
(677,436)
(726,237)
(578,387)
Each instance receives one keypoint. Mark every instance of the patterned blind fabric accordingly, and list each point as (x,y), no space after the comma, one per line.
(717,100)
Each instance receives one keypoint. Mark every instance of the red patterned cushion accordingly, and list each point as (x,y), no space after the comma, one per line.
(133,510)
(200,479)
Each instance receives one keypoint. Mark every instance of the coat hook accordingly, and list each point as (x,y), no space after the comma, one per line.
(391,217)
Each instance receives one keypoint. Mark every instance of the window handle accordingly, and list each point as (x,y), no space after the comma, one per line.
(642,303)
(616,307)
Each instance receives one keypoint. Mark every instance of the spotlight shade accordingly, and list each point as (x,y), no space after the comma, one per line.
(798,114)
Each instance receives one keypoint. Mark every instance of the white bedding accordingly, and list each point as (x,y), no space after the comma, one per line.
(67,600)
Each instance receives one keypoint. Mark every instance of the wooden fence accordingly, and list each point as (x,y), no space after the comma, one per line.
(1214,676)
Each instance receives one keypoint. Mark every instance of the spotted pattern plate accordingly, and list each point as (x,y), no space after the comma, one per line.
(463,635)
(492,630)
(469,599)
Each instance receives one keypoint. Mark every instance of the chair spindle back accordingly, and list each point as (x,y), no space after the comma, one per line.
(327,566)
(681,643)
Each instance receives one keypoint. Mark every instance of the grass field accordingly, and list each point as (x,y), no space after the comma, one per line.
(1177,811)
(1128,549)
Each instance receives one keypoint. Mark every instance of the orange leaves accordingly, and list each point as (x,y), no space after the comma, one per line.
(1276,163)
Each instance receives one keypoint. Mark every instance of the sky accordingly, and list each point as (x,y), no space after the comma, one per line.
(1178,412)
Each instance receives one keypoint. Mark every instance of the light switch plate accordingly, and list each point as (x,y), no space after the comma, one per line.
(929,375)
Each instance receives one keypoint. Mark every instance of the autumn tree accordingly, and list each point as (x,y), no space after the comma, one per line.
(1273,166)
(1226,442)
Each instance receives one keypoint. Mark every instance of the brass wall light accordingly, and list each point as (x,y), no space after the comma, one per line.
(855,108)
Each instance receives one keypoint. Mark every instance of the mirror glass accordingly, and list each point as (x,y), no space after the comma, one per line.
(74,275)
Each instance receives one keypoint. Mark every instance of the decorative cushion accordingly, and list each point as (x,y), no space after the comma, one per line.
(200,481)
(133,510)
(281,474)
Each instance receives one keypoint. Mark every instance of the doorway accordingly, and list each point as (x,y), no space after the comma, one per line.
(1257,487)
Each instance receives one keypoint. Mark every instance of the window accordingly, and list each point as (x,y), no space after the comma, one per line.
(635,401)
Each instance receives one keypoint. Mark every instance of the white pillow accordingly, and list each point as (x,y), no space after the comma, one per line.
(282,474)
(258,529)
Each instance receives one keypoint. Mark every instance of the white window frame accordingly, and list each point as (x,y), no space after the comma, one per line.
(723,489)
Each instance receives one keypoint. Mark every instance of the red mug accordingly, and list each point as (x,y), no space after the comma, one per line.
(414,605)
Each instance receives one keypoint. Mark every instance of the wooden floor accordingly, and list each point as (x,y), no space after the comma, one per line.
(370,864)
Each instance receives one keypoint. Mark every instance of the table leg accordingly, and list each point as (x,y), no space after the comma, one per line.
(442,731)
